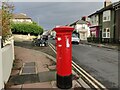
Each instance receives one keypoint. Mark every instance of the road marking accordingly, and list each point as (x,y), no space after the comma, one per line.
(89,75)
(51,47)
(80,70)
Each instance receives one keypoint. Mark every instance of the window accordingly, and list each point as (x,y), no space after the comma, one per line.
(83,26)
(106,33)
(106,15)
(104,18)
(94,20)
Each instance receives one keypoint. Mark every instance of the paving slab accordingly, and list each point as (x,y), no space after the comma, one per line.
(52,67)
(28,70)
(47,76)
(15,87)
(37,85)
(21,79)
(15,72)
(29,64)
(75,84)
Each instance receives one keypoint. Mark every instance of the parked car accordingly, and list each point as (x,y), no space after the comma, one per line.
(75,39)
(45,37)
(39,42)
(53,37)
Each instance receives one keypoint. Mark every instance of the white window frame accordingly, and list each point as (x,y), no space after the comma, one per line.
(106,14)
(94,20)
(107,34)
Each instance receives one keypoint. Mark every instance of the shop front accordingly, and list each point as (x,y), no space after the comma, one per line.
(94,31)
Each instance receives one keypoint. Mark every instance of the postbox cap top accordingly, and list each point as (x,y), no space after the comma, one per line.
(64,29)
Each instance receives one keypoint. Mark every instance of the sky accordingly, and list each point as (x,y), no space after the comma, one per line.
(50,14)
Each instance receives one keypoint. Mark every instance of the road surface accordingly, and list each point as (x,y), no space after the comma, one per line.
(101,63)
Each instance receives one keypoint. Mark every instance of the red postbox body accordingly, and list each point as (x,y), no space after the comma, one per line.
(64,56)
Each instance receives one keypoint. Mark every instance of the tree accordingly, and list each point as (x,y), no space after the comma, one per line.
(26,28)
(7,11)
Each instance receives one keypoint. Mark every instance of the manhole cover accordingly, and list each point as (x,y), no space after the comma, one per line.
(30,70)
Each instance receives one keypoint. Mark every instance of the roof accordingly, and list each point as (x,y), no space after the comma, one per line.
(78,22)
(109,7)
(116,4)
(20,16)
(81,22)
(93,14)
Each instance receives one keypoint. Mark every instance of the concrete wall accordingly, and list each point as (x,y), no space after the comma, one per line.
(6,63)
(1,69)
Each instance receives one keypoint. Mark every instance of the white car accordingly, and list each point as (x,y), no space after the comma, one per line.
(75,39)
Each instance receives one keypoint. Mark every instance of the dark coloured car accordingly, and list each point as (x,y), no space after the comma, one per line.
(39,42)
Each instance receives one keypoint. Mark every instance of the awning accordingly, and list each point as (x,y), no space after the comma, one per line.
(93,29)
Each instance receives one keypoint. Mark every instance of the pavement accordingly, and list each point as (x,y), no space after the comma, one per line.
(109,46)
(33,69)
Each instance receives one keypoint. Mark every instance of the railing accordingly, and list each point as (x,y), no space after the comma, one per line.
(6,61)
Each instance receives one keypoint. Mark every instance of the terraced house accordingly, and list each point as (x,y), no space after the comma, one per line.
(116,6)
(107,23)
(94,27)
(81,27)
(104,23)
(21,18)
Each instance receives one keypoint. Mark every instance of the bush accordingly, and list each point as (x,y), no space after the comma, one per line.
(25,28)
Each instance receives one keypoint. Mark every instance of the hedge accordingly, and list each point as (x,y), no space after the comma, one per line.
(25,28)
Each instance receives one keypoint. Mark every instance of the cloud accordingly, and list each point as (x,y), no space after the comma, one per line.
(49,14)
(59,0)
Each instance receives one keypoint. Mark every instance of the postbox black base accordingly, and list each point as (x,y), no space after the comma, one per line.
(64,82)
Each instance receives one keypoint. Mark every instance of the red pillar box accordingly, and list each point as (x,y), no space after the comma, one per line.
(64,56)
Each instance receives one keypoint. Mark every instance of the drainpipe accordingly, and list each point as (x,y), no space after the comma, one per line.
(1,69)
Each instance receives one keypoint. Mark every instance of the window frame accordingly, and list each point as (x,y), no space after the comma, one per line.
(107,15)
(106,33)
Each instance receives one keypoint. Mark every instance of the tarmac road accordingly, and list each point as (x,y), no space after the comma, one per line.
(101,63)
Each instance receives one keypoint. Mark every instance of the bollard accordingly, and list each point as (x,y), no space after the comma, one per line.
(64,56)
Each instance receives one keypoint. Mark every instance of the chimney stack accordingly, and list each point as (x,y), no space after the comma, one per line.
(107,3)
